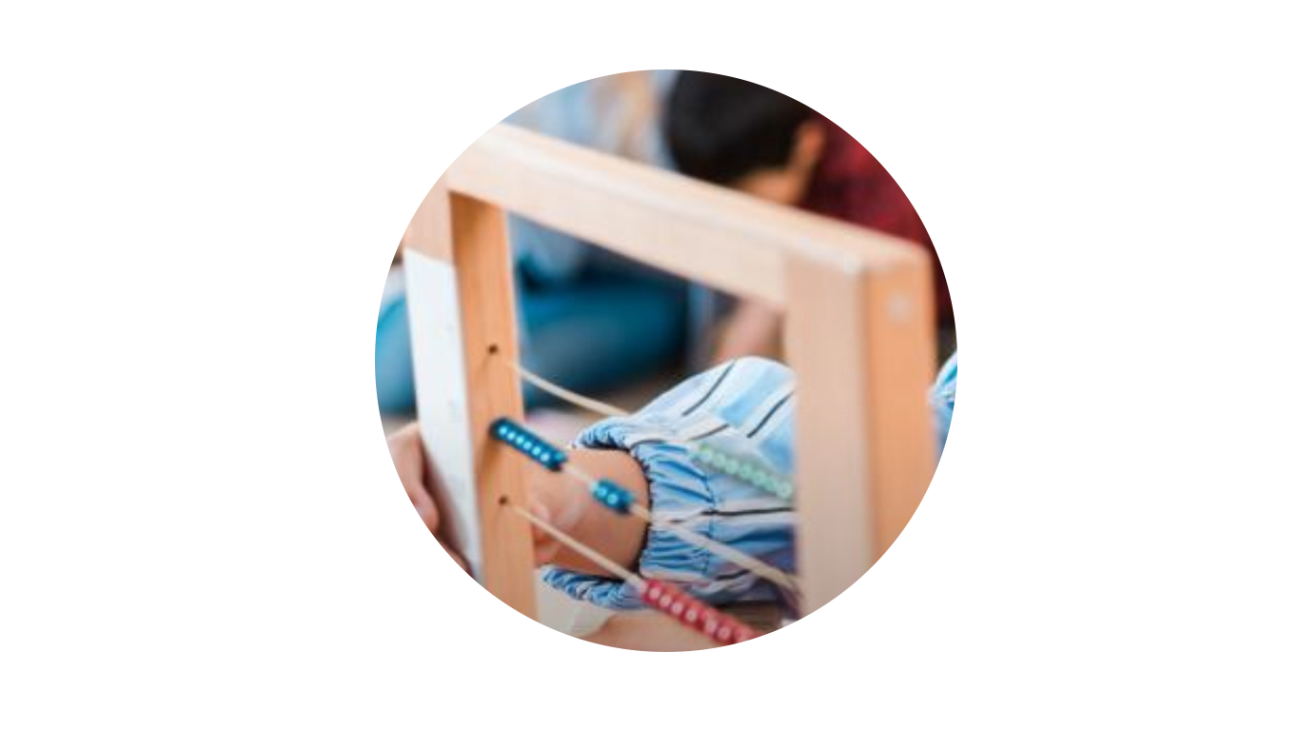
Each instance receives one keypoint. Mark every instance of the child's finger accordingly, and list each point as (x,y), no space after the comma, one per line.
(539,509)
(407,452)
(559,503)
(428,512)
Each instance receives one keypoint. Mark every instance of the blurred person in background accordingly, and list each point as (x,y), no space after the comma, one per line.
(588,319)
(755,140)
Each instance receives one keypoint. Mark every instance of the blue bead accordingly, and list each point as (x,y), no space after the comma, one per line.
(529,444)
(612,496)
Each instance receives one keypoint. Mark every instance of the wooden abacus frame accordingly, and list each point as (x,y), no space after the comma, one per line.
(859,334)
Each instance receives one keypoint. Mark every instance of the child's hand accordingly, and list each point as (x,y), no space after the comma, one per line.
(407,451)
(552,507)
(556,498)
(562,501)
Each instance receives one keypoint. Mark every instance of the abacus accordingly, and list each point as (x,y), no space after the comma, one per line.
(859,335)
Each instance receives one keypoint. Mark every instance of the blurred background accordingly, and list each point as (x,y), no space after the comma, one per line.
(601,325)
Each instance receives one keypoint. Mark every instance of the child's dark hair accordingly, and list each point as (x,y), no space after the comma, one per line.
(720,128)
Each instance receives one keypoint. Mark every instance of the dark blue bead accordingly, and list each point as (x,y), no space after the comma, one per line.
(613,496)
(528,443)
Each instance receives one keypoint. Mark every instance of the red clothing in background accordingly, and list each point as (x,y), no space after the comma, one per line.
(849,184)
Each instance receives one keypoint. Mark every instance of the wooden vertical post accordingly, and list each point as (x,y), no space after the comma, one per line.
(469,236)
(864,443)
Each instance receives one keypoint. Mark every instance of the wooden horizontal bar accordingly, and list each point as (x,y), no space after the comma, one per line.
(728,240)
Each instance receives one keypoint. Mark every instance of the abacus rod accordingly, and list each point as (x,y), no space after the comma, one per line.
(578,473)
(599,407)
(583,549)
(740,558)
(564,394)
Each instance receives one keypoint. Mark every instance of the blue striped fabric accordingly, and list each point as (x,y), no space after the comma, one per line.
(746,408)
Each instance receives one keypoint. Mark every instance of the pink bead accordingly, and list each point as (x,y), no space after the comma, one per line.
(692,613)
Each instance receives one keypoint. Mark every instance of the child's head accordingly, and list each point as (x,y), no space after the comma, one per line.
(742,135)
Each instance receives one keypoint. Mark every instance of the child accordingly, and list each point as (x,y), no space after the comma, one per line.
(745,407)
(748,137)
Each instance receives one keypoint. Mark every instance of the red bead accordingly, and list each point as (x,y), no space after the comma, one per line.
(692,613)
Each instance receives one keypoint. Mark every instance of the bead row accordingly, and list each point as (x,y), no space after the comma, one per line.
(693,613)
(529,444)
(747,471)
(612,496)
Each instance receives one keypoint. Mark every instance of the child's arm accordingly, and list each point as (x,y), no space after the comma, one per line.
(565,503)
(745,408)
(560,500)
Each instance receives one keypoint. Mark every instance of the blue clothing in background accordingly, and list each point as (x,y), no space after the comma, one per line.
(943,396)
(746,408)
(394,370)
(604,329)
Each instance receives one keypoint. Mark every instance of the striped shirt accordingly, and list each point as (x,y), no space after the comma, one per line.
(744,408)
